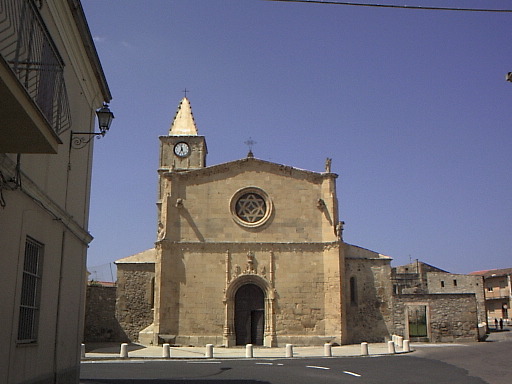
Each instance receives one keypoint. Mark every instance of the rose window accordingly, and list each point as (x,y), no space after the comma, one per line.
(250,207)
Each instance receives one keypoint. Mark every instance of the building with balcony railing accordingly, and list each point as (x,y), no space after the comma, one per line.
(498,297)
(51,84)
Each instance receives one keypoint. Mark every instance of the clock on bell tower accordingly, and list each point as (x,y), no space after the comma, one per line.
(183,149)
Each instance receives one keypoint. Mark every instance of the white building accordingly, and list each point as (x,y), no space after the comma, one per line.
(51,83)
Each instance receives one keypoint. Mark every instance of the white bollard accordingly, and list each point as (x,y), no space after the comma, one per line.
(289,350)
(249,351)
(391,347)
(364,349)
(124,351)
(166,351)
(400,341)
(327,350)
(209,351)
(406,347)
(82,351)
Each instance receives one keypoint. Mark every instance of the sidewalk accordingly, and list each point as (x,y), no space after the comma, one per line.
(109,351)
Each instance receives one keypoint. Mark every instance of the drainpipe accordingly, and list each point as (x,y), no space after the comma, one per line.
(57,319)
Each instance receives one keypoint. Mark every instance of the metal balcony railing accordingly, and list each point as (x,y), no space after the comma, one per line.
(29,50)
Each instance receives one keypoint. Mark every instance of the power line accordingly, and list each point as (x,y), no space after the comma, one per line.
(423,8)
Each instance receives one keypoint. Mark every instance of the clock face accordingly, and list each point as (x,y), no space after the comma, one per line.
(182,149)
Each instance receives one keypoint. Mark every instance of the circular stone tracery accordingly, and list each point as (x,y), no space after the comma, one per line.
(251,207)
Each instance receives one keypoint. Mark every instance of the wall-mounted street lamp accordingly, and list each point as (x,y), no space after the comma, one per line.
(105,117)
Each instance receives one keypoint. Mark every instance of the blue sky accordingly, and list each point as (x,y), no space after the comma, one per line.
(412,107)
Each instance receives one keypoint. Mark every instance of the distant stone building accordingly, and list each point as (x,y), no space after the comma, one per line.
(252,251)
(435,305)
(498,293)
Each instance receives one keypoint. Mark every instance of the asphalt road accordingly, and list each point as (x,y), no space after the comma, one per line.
(475,363)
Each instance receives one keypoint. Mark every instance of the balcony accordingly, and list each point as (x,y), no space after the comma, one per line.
(34,108)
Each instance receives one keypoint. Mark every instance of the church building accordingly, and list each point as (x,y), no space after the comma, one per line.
(250,251)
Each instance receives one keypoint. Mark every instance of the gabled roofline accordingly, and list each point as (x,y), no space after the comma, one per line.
(248,161)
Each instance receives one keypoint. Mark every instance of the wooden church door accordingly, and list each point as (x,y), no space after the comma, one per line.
(249,315)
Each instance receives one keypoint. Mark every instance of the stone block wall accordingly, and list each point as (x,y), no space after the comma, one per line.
(101,324)
(450,317)
(192,300)
(135,297)
(455,283)
(368,299)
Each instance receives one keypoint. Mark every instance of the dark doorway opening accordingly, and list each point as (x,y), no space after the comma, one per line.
(249,315)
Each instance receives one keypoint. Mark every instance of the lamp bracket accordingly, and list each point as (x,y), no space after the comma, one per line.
(83,138)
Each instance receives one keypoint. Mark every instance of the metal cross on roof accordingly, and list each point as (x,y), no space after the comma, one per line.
(250,143)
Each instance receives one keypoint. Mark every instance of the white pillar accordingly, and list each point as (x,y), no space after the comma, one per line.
(209,351)
(166,350)
(249,351)
(289,350)
(124,350)
(82,351)
(364,349)
(391,347)
(327,350)
(400,341)
(406,347)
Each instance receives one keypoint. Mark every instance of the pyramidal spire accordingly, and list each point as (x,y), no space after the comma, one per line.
(183,123)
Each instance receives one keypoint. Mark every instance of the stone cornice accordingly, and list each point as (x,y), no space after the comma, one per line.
(246,247)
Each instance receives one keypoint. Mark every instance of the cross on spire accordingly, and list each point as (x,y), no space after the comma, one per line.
(185,91)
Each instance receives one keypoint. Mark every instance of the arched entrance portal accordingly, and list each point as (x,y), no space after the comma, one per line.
(249,315)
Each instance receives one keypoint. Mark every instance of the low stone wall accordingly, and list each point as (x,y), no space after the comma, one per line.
(451,317)
(100,321)
(135,298)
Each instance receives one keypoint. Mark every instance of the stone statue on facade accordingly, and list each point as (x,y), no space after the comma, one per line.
(328,162)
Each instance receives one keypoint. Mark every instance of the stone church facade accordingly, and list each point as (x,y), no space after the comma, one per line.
(249,251)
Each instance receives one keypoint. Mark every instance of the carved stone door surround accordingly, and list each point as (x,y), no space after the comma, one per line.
(234,281)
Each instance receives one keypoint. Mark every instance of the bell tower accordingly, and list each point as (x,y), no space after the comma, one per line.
(183,149)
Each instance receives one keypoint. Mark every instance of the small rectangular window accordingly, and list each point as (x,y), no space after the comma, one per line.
(353,291)
(442,284)
(454,283)
(30,292)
